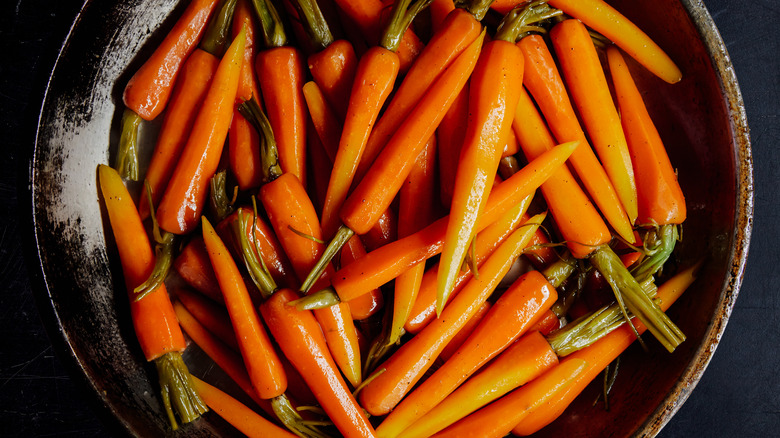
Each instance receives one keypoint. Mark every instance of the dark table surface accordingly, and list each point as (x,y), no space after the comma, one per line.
(739,394)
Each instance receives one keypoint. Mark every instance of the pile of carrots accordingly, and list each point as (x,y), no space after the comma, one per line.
(395,218)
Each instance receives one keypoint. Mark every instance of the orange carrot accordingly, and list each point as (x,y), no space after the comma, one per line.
(384,231)
(439,11)
(147,91)
(517,309)
(244,152)
(384,264)
(546,324)
(494,90)
(415,212)
(464,333)
(661,200)
(458,31)
(598,356)
(424,309)
(185,196)
(522,362)
(260,358)
(236,413)
(333,69)
(247,85)
(292,216)
(545,85)
(300,338)
(154,319)
(407,365)
(194,267)
(188,94)
(326,124)
(368,304)
(450,136)
(281,72)
(578,221)
(588,86)
(607,21)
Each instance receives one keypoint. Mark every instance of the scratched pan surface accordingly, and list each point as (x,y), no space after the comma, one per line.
(83,301)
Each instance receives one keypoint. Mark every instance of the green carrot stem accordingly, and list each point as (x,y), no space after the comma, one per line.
(217,34)
(292,420)
(401,17)
(219,201)
(271,24)
(662,241)
(257,269)
(319,300)
(269,153)
(178,390)
(477,8)
(343,234)
(163,253)
(127,156)
(314,23)
(520,20)
(559,271)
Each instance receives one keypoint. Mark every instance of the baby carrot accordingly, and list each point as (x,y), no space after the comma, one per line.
(407,365)
(260,358)
(185,195)
(213,317)
(588,86)
(194,267)
(154,319)
(464,333)
(661,200)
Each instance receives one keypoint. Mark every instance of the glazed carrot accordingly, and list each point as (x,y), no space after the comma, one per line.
(247,85)
(578,221)
(546,324)
(244,152)
(607,21)
(292,216)
(236,413)
(450,136)
(181,205)
(424,309)
(213,317)
(260,358)
(661,200)
(407,365)
(191,87)
(281,73)
(194,267)
(380,266)
(374,80)
(464,333)
(367,15)
(368,304)
(543,81)
(459,30)
(154,319)
(494,90)
(439,11)
(599,355)
(588,86)
(147,91)
(228,360)
(319,167)
(300,338)
(333,63)
(496,419)
(522,362)
(415,212)
(326,124)
(517,309)
(384,231)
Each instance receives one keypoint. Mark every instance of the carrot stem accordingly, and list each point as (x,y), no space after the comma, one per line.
(126,162)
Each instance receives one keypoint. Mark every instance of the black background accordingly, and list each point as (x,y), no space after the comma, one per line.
(739,394)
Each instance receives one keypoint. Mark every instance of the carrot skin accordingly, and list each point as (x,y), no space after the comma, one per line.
(181,205)
(148,90)
(384,231)
(494,90)
(607,21)
(458,31)
(368,304)
(450,136)
(519,364)
(517,309)
(464,333)
(244,17)
(378,188)
(333,69)
(374,80)
(281,74)
(439,11)
(188,94)
(543,81)
(407,365)
(386,263)
(244,152)
(262,363)
(236,413)
(660,197)
(579,223)
(213,317)
(588,86)
(154,320)
(300,338)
